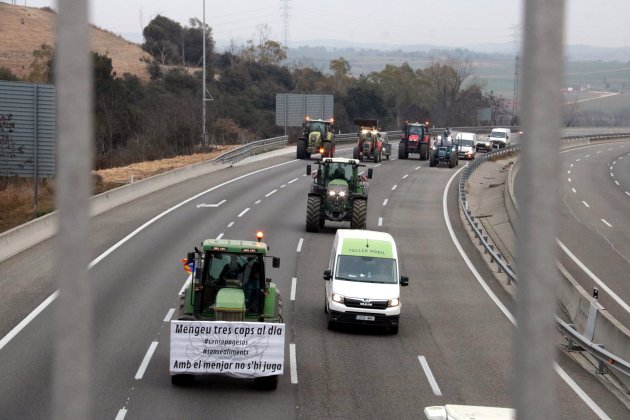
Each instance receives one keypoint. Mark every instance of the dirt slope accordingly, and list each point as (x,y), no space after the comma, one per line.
(24,29)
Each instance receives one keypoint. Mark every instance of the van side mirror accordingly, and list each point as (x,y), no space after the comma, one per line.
(404,281)
(370,173)
(327,274)
(275,262)
(308,169)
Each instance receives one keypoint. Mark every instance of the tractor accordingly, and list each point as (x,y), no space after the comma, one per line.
(415,139)
(318,136)
(228,290)
(446,151)
(372,143)
(339,193)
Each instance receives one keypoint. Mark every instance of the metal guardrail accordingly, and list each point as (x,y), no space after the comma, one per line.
(604,357)
(251,149)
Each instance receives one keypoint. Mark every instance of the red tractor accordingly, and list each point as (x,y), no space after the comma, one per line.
(415,139)
(371,143)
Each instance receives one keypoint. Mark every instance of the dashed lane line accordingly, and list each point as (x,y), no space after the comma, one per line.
(169,315)
(270,193)
(121,414)
(293,362)
(385,202)
(573,189)
(606,223)
(146,360)
(293,180)
(257,201)
(293,287)
(406,175)
(429,375)
(243,212)
(220,235)
(380,221)
(230,224)
(585,204)
(299,247)
(394,187)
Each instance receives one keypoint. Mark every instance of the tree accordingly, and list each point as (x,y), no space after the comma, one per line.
(264,50)
(445,82)
(341,69)
(162,39)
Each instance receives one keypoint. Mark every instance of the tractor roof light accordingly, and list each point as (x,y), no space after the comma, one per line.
(259,235)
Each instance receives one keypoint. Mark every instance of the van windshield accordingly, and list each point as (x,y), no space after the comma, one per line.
(498,134)
(366,269)
(466,143)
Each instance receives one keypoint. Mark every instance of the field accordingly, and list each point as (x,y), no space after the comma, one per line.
(608,104)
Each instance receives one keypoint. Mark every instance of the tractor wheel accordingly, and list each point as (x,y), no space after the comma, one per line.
(266,383)
(182,379)
(355,153)
(424,151)
(402,151)
(312,213)
(359,214)
(451,161)
(301,149)
(327,150)
(432,162)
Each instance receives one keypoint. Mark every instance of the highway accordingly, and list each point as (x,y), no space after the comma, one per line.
(454,344)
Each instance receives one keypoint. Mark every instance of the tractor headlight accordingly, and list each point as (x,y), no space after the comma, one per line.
(337,298)
(342,193)
(332,193)
(392,303)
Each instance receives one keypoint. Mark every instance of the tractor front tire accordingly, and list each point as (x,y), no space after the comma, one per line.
(301,149)
(355,153)
(402,151)
(424,151)
(451,161)
(359,214)
(266,383)
(312,213)
(327,150)
(432,162)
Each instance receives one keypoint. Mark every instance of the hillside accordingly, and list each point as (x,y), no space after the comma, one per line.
(25,29)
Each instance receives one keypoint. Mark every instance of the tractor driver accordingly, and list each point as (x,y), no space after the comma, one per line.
(339,173)
(231,270)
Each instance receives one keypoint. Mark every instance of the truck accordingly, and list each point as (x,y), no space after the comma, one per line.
(500,137)
(416,138)
(371,143)
(230,318)
(338,193)
(318,137)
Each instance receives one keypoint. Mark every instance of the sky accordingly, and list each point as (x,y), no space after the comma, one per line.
(448,23)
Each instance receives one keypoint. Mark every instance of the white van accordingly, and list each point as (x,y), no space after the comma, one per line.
(467,144)
(468,412)
(500,137)
(363,280)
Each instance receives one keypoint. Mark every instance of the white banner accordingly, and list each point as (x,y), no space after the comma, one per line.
(239,349)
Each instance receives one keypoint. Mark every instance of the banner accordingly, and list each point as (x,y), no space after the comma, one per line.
(238,349)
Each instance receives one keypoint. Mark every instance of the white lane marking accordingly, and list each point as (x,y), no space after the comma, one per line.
(19,327)
(283,185)
(613,164)
(593,277)
(293,362)
(586,156)
(620,157)
(146,360)
(416,168)
(616,182)
(429,375)
(571,165)
(569,179)
(230,224)
(377,165)
(394,158)
(299,247)
(627,193)
(380,221)
(599,151)
(257,201)
(293,180)
(293,286)
(270,193)
(611,174)
(394,187)
(573,189)
(406,175)
(220,235)
(169,314)
(385,202)
(606,223)
(585,204)
(610,148)
(610,168)
(569,172)
(211,205)
(575,387)
(577,160)
(243,212)
(124,240)
(186,283)
(580,392)
(361,173)
(121,414)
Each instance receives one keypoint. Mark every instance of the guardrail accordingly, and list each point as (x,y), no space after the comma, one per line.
(604,357)
(252,148)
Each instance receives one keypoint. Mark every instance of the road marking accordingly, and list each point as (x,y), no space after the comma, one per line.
(394,158)
(613,164)
(573,189)
(610,148)
(385,202)
(593,277)
(186,283)
(169,315)
(361,173)
(293,180)
(599,151)
(257,202)
(230,224)
(610,168)
(429,375)
(283,185)
(569,179)
(19,327)
(220,235)
(580,393)
(299,247)
(571,165)
(617,182)
(611,174)
(577,160)
(380,221)
(146,360)
(406,175)
(627,193)
(377,165)
(586,156)
(243,212)
(416,168)
(270,193)
(569,172)
(211,205)
(606,223)
(121,414)
(585,203)
(293,286)
(293,362)
(394,187)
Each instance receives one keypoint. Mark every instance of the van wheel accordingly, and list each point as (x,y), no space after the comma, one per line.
(325,305)
(393,330)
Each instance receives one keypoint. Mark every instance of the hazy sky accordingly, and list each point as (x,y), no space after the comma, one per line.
(397,22)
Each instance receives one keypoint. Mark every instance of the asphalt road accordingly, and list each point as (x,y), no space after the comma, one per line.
(449,325)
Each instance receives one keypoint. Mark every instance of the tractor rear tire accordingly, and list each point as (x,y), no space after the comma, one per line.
(402,151)
(424,151)
(355,153)
(182,379)
(266,383)
(451,161)
(432,162)
(301,149)
(359,214)
(313,207)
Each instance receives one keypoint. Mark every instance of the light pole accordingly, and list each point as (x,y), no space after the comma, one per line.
(203,93)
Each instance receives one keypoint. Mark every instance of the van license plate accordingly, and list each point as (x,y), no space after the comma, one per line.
(365,318)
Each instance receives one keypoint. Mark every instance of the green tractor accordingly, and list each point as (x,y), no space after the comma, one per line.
(446,151)
(339,193)
(318,136)
(228,294)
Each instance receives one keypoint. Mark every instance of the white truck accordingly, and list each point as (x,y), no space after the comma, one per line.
(467,144)
(500,137)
